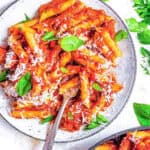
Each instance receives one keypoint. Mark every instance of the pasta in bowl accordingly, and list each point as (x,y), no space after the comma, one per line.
(136,138)
(67,45)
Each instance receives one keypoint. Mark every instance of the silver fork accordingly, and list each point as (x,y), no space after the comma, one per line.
(52,131)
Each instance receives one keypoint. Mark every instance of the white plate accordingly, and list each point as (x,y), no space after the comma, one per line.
(126,72)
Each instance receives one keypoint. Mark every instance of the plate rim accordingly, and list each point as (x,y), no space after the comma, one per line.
(126,100)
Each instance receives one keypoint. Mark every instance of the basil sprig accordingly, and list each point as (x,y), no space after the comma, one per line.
(71,43)
(142,112)
(49,36)
(100,119)
(135,26)
(120,35)
(47,119)
(3,76)
(24,85)
(142,7)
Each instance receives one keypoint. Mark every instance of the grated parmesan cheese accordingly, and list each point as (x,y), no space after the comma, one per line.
(9,59)
(18,72)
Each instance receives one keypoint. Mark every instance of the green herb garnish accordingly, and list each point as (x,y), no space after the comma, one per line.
(97,87)
(71,43)
(27,18)
(142,7)
(24,85)
(49,36)
(142,112)
(135,26)
(47,119)
(100,119)
(64,70)
(120,35)
(70,115)
(144,37)
(146,60)
(145,52)
(3,76)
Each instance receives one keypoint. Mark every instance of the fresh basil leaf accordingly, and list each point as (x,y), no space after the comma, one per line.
(24,85)
(71,43)
(138,2)
(49,36)
(132,24)
(142,26)
(135,26)
(92,125)
(146,60)
(146,20)
(47,119)
(64,70)
(142,112)
(145,69)
(97,87)
(102,119)
(144,37)
(120,35)
(3,76)
(70,115)
(142,7)
(27,18)
(145,52)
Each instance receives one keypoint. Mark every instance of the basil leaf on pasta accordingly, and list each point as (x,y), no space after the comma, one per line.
(100,119)
(71,43)
(24,85)
(49,36)
(47,119)
(3,76)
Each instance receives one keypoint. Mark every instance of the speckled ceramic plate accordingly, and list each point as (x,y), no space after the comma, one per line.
(119,135)
(126,71)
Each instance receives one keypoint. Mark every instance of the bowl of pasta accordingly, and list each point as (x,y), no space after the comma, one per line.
(63,45)
(135,138)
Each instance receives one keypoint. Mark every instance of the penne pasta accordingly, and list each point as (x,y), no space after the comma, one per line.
(85,95)
(68,85)
(56,10)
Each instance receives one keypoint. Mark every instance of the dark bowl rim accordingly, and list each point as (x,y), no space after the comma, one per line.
(118,134)
(126,100)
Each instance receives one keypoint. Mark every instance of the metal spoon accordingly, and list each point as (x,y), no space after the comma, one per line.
(52,131)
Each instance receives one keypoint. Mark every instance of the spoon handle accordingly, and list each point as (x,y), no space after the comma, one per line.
(52,133)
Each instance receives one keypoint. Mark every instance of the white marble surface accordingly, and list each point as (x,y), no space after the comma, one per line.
(12,139)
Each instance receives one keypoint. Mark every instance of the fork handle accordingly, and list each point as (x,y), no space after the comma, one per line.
(52,132)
